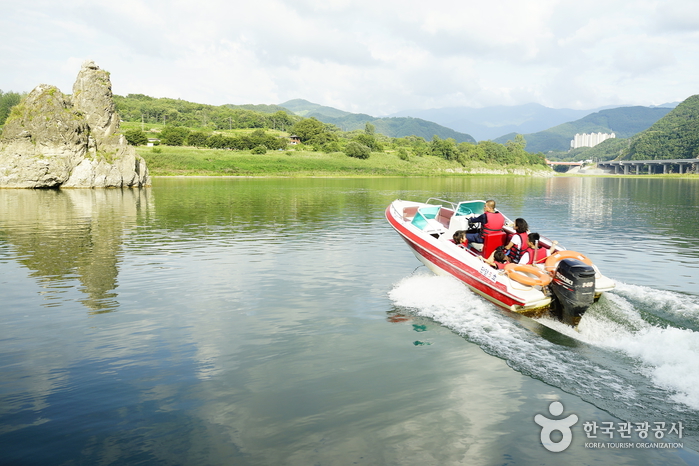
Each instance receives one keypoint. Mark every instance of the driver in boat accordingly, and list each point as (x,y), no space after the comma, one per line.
(490,220)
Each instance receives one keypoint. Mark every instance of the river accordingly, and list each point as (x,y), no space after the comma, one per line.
(245,321)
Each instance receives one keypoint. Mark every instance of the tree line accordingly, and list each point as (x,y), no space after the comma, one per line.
(176,112)
(199,125)
(315,135)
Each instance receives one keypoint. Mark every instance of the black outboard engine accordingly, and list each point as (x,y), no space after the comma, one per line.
(573,288)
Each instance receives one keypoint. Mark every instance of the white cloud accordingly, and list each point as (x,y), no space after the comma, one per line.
(362,56)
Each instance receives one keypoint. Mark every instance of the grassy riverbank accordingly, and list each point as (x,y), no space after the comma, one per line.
(171,161)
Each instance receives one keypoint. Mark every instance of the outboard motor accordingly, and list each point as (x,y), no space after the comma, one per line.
(573,288)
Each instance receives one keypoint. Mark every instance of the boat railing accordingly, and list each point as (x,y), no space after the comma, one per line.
(442,201)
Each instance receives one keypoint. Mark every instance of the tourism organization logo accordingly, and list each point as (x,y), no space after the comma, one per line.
(549,426)
(644,431)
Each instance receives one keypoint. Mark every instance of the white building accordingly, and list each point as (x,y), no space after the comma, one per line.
(589,140)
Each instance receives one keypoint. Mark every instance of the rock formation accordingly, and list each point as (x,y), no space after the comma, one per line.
(52,140)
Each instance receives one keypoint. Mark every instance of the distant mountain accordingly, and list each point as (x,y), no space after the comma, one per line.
(624,122)
(492,122)
(307,109)
(392,127)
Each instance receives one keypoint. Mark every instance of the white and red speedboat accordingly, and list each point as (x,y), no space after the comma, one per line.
(564,286)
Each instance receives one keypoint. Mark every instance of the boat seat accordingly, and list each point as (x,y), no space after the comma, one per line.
(477,246)
(444,216)
(409,212)
(492,241)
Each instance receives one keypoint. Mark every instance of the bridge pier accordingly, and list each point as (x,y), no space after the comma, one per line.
(685,166)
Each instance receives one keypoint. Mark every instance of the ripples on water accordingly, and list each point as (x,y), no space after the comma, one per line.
(248,322)
(636,353)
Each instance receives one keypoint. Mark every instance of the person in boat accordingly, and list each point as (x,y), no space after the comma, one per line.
(491,221)
(498,259)
(459,238)
(532,253)
(518,241)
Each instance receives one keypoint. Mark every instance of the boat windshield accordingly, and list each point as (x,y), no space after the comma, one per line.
(470,207)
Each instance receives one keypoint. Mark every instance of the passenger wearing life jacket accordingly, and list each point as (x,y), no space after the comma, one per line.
(491,222)
(518,241)
(498,259)
(532,253)
(459,238)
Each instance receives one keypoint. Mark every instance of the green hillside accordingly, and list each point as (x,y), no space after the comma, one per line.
(396,127)
(624,122)
(675,136)
(609,149)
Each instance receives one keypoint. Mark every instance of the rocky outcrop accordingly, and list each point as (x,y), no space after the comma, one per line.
(52,140)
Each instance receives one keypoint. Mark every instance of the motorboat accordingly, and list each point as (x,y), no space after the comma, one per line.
(563,286)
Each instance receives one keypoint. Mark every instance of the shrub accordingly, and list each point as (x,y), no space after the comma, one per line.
(135,137)
(332,147)
(173,135)
(357,150)
(197,139)
(259,149)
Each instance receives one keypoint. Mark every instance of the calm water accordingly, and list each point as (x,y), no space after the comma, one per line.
(265,322)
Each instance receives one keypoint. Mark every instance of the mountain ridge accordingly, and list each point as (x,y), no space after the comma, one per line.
(624,122)
(391,126)
(500,120)
(494,123)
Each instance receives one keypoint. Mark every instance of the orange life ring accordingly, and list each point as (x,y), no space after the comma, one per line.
(523,274)
(556,257)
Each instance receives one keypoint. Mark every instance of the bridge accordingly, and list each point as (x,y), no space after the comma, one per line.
(652,167)
(577,164)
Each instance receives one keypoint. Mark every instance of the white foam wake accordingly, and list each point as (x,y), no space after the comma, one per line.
(449,302)
(666,355)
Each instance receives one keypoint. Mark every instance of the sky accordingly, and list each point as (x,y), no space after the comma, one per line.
(363,56)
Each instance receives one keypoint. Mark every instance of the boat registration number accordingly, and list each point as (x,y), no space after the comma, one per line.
(489,273)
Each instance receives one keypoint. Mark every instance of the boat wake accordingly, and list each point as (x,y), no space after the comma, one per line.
(635,354)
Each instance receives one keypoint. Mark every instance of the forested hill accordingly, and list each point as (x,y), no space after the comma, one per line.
(624,122)
(675,136)
(139,107)
(396,127)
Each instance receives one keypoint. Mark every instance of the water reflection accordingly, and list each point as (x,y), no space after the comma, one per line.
(66,235)
(254,325)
